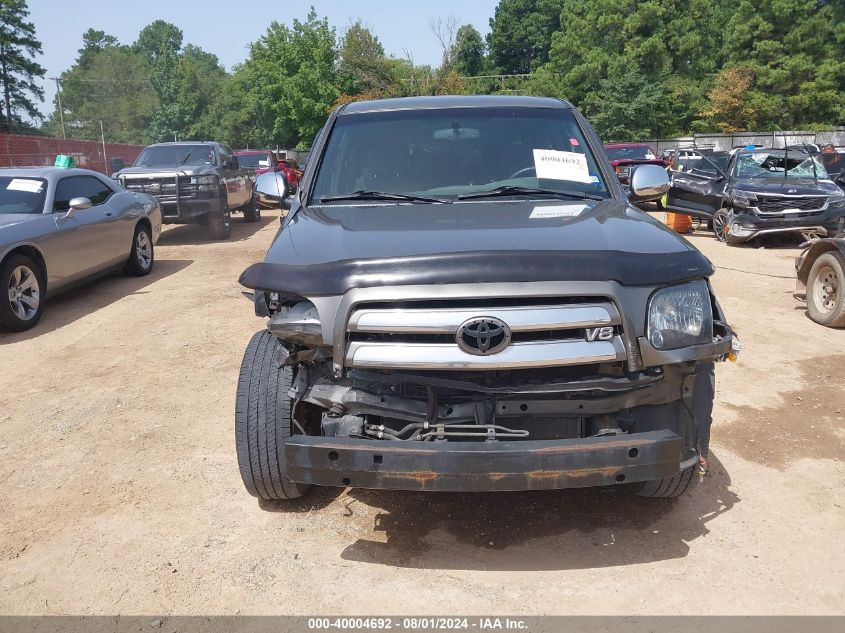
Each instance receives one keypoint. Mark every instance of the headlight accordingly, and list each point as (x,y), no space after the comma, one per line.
(298,324)
(837,202)
(205,183)
(743,198)
(680,316)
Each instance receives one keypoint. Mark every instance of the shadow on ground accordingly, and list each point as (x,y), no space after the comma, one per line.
(69,306)
(549,530)
(193,234)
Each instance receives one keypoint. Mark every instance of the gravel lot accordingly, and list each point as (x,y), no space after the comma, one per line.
(120,490)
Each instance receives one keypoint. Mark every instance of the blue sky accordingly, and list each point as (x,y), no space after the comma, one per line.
(226,27)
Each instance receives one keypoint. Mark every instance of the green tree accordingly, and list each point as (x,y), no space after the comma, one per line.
(18,68)
(113,86)
(160,44)
(292,73)
(794,48)
(94,41)
(363,68)
(520,34)
(630,107)
(199,79)
(470,51)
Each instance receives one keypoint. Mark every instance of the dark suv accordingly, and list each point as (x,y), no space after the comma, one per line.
(760,192)
(462,298)
(194,182)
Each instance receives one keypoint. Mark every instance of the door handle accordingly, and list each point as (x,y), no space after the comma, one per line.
(108,213)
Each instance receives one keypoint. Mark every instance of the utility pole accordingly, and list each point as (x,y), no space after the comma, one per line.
(106,169)
(59,101)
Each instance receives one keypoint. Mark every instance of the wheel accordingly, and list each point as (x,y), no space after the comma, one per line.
(221,223)
(263,421)
(667,487)
(22,303)
(826,290)
(720,224)
(141,255)
(252,212)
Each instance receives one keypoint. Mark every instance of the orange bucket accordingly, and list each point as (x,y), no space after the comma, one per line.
(679,222)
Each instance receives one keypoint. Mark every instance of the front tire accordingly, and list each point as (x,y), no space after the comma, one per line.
(141,255)
(826,290)
(221,223)
(263,421)
(668,487)
(252,213)
(719,223)
(23,286)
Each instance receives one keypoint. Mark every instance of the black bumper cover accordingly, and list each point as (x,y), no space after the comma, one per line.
(483,466)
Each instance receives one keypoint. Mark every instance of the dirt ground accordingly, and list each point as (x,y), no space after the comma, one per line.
(120,489)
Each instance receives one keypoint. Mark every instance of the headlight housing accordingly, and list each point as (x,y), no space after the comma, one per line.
(743,199)
(205,183)
(680,316)
(837,201)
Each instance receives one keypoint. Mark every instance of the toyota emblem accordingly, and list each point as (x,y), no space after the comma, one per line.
(483,336)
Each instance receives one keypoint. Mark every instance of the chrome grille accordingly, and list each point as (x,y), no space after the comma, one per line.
(544,334)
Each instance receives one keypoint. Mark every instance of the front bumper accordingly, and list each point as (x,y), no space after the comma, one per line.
(484,466)
(745,226)
(184,210)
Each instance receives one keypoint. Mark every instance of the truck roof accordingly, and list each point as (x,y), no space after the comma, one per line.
(183,143)
(433,103)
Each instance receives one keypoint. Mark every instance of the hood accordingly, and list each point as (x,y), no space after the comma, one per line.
(10,219)
(330,248)
(793,186)
(184,170)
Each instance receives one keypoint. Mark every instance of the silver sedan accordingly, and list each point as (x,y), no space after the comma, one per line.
(62,227)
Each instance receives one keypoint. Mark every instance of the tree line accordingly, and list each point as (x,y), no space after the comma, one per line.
(636,68)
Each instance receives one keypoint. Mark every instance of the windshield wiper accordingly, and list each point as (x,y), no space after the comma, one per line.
(381,195)
(185,160)
(511,190)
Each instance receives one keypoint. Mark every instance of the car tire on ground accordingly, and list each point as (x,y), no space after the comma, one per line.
(263,421)
(220,223)
(668,487)
(719,223)
(22,298)
(141,254)
(826,290)
(252,212)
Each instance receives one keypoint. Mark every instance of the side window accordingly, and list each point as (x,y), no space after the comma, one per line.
(224,157)
(80,187)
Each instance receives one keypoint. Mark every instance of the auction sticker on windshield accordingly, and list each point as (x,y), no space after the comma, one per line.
(557,165)
(25,184)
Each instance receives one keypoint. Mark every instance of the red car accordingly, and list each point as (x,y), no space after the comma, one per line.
(292,171)
(262,161)
(623,156)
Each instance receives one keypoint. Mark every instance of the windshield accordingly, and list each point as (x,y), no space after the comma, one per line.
(22,195)
(254,160)
(773,164)
(634,152)
(450,152)
(175,156)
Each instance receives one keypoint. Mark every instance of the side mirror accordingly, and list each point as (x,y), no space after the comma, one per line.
(233,164)
(648,182)
(77,204)
(271,189)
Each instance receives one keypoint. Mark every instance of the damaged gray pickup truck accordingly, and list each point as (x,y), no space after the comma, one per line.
(461,298)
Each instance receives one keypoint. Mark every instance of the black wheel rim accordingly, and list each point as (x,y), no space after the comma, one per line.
(719,226)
